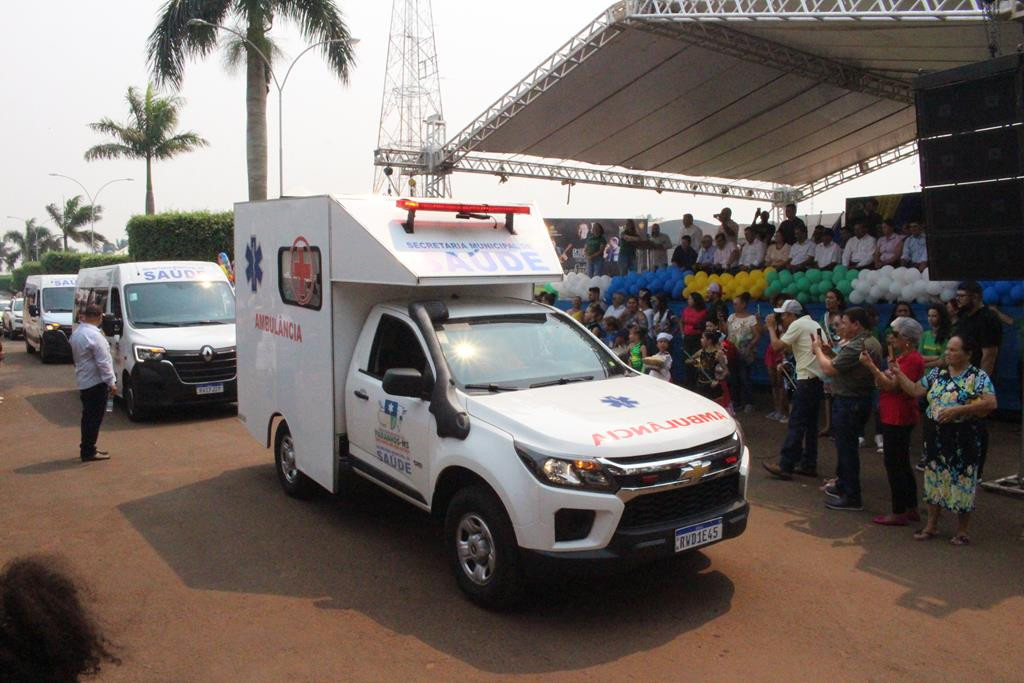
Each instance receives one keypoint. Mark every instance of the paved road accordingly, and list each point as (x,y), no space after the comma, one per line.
(202,570)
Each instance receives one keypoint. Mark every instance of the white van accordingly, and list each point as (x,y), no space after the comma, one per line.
(171,328)
(49,300)
(396,341)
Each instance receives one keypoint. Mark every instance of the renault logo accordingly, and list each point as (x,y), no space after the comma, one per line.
(207,353)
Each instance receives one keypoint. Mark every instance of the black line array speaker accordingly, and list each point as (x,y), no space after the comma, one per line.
(970,127)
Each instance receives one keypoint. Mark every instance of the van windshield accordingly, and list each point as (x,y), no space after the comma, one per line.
(16,306)
(502,353)
(179,304)
(58,299)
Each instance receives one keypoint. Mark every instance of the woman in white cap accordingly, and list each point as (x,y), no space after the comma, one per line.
(660,364)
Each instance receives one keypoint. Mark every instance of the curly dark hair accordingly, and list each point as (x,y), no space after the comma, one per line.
(46,634)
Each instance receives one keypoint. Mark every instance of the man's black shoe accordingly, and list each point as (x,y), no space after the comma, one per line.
(843,503)
(805,471)
(777,471)
(100,455)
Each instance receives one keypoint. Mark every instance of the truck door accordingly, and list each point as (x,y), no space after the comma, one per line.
(391,437)
(118,348)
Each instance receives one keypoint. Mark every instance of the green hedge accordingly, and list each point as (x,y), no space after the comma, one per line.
(198,236)
(94,260)
(60,262)
(23,271)
(7,282)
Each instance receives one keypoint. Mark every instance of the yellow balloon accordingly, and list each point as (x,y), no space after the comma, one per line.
(727,277)
(688,279)
(769,269)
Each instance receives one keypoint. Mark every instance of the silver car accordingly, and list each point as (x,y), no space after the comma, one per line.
(12,319)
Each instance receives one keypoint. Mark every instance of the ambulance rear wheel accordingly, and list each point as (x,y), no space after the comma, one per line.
(482,548)
(295,483)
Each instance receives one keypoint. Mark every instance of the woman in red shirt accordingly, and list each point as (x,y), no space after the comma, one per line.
(692,324)
(899,413)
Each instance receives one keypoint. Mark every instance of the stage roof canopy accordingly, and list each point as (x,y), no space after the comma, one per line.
(786,92)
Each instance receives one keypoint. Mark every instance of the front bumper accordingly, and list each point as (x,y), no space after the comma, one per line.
(157,384)
(56,342)
(630,547)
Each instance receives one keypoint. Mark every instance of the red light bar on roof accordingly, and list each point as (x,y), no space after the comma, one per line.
(461,211)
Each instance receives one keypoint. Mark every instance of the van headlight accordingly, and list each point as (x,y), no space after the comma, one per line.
(573,474)
(149,353)
(50,327)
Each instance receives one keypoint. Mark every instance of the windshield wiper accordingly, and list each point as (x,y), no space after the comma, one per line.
(204,322)
(156,323)
(562,380)
(491,387)
(58,310)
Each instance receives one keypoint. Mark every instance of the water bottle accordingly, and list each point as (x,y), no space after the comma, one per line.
(110,403)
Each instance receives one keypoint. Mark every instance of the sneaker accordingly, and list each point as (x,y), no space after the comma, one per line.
(860,442)
(777,471)
(832,491)
(879,444)
(843,503)
(783,419)
(774,415)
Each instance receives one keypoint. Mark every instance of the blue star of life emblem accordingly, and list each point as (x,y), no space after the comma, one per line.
(253,261)
(620,401)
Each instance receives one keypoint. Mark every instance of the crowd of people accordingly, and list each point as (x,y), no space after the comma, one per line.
(936,373)
(868,242)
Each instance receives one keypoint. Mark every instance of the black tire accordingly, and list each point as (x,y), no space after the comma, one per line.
(295,483)
(28,347)
(476,517)
(44,357)
(135,412)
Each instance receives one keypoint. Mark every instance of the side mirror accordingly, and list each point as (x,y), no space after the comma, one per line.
(33,311)
(403,382)
(112,327)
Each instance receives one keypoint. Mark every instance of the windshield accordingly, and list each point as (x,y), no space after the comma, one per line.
(516,352)
(180,304)
(58,299)
(16,305)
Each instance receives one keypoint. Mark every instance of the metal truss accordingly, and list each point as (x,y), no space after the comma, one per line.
(847,174)
(724,39)
(571,174)
(821,10)
(576,51)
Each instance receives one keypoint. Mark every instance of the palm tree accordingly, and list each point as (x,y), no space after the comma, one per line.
(174,39)
(148,134)
(8,256)
(72,217)
(33,243)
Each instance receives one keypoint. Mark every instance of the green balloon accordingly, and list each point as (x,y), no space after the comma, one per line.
(814,275)
(852,275)
(770,278)
(840,270)
(785,277)
(770,291)
(803,297)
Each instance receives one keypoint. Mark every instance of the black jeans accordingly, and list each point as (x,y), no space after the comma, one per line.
(902,483)
(801,444)
(94,405)
(740,382)
(848,416)
(691,344)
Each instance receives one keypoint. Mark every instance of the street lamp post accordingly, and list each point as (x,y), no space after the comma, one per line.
(277,84)
(92,203)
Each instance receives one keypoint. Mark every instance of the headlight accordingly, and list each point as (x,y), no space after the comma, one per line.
(744,460)
(148,353)
(576,474)
(50,327)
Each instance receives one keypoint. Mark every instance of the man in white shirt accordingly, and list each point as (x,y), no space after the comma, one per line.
(727,225)
(827,254)
(618,306)
(799,453)
(752,253)
(801,252)
(660,244)
(726,253)
(859,251)
(694,231)
(94,374)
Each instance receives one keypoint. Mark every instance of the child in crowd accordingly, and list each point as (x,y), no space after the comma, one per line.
(637,349)
(660,364)
(576,310)
(712,368)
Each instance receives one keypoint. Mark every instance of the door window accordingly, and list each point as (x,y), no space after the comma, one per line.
(395,346)
(115,302)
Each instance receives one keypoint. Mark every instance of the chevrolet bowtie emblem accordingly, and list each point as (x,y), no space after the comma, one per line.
(693,472)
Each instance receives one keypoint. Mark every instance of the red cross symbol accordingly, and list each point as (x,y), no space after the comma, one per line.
(302,271)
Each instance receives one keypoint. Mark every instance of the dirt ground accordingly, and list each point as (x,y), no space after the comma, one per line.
(201,569)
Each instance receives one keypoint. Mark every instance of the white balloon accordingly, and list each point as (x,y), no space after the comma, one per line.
(867,276)
(947,294)
(900,274)
(933,288)
(857,297)
(895,289)
(908,293)
(923,298)
(875,293)
(887,271)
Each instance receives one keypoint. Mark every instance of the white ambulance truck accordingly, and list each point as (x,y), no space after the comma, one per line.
(171,329)
(396,340)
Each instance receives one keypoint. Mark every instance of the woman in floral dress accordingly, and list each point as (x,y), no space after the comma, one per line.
(959,396)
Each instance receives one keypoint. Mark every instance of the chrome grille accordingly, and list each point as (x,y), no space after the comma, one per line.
(679,504)
(192,369)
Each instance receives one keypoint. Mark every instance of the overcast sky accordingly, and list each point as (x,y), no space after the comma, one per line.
(67,63)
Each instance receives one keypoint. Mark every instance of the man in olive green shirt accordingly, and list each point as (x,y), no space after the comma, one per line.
(852,389)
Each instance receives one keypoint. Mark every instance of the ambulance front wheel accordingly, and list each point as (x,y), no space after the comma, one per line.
(295,483)
(482,548)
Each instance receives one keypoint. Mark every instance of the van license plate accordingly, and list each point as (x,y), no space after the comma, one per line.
(697,535)
(218,388)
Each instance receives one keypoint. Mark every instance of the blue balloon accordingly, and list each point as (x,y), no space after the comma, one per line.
(990,295)
(1017,293)
(1003,287)
(1006,300)
(677,290)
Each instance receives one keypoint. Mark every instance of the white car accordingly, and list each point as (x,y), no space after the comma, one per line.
(13,326)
